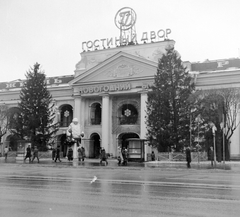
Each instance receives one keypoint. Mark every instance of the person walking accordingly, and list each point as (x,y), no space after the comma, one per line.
(125,157)
(70,154)
(53,154)
(211,155)
(6,150)
(81,153)
(153,156)
(57,154)
(120,157)
(188,157)
(35,154)
(28,155)
(103,156)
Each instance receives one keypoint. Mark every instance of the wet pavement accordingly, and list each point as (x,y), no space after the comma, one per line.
(140,189)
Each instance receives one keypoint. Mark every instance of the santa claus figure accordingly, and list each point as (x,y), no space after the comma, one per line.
(74,132)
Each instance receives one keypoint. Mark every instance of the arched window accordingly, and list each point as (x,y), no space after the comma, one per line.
(66,115)
(96,114)
(128,114)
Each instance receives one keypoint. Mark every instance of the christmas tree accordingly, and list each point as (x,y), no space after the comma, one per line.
(36,119)
(167,106)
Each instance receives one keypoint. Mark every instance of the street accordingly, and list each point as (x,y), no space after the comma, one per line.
(75,189)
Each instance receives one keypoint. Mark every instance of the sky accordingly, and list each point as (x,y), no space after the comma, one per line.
(51,32)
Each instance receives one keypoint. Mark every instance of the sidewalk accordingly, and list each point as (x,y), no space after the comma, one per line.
(112,162)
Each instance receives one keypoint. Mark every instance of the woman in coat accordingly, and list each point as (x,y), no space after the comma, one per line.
(211,155)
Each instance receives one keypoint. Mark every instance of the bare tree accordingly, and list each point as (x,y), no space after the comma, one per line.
(220,106)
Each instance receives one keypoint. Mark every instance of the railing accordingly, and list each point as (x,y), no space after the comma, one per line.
(179,156)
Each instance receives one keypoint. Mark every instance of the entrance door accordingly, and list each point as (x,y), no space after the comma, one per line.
(94,148)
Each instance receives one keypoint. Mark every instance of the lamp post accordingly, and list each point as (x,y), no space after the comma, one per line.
(223,134)
(214,143)
(198,146)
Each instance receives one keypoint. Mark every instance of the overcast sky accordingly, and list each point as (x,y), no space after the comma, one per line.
(51,32)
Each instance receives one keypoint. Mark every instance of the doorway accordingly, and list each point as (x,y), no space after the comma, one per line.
(94,148)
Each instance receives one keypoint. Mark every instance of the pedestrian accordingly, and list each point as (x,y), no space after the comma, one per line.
(119,157)
(35,154)
(28,155)
(57,154)
(53,153)
(70,154)
(188,157)
(153,156)
(81,153)
(6,150)
(211,155)
(125,157)
(103,156)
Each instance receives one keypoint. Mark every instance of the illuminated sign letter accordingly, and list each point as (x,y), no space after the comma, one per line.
(95,43)
(83,45)
(152,35)
(161,33)
(109,42)
(103,42)
(168,31)
(89,44)
(144,37)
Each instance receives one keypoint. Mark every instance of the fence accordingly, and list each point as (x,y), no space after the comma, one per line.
(179,156)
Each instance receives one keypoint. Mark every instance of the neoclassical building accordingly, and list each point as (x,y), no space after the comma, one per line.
(108,94)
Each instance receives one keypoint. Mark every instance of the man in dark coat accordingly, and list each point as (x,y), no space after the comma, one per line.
(58,154)
(28,155)
(188,157)
(35,154)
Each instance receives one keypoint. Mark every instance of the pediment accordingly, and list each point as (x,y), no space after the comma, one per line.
(119,67)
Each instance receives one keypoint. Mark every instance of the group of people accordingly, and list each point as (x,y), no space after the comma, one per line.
(30,152)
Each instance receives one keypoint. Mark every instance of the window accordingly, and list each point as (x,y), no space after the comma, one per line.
(96,114)
(66,116)
(128,114)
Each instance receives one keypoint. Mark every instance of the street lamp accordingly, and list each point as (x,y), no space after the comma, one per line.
(223,129)
(214,129)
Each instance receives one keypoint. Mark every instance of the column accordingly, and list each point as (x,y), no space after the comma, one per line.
(105,121)
(77,108)
(235,140)
(77,114)
(143,126)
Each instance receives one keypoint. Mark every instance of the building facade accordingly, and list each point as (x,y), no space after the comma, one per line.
(108,94)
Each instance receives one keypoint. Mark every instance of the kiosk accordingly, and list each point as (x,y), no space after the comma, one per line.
(136,149)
